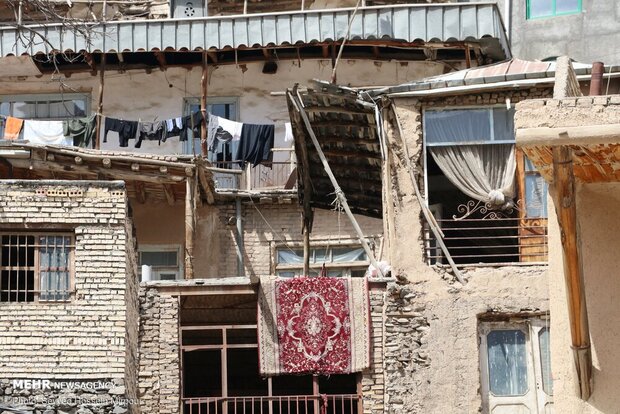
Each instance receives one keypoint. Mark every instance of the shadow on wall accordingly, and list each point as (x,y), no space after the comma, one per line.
(599,220)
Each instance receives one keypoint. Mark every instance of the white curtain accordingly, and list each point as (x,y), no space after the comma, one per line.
(483,172)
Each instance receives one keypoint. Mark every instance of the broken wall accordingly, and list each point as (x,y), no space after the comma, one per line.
(432,322)
(93,336)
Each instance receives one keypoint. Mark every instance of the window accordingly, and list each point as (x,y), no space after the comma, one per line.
(35,267)
(339,261)
(515,366)
(548,8)
(52,106)
(223,107)
(472,188)
(163,260)
(536,190)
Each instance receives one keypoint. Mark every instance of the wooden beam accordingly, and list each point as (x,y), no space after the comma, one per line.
(100,102)
(107,163)
(564,183)
(213,57)
(88,58)
(161,60)
(204,183)
(169,192)
(204,84)
(139,190)
(189,229)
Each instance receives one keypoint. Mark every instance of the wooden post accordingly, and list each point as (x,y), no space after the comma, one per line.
(204,82)
(100,102)
(189,228)
(564,183)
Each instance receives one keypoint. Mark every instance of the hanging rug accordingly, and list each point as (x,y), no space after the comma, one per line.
(313,325)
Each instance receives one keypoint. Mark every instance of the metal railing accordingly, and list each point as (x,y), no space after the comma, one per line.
(287,404)
(491,241)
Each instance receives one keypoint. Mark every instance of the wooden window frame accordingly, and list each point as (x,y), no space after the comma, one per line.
(36,267)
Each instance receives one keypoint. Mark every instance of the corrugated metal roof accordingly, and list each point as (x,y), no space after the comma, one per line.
(508,71)
(475,22)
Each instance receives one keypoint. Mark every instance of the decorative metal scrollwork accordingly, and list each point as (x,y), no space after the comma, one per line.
(487,210)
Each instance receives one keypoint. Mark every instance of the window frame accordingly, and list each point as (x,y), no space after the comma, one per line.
(346,267)
(36,266)
(159,248)
(554,13)
(48,97)
(531,327)
(211,100)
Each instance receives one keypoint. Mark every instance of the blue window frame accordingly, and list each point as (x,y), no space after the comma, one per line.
(549,8)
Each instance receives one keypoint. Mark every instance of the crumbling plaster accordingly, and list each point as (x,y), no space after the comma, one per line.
(442,359)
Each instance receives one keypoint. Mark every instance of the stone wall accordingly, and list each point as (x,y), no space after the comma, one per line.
(159,367)
(91,337)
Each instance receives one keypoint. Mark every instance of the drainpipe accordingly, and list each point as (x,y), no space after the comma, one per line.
(596,82)
(508,17)
(240,264)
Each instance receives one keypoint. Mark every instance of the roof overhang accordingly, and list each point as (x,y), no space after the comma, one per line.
(426,23)
(153,177)
(347,130)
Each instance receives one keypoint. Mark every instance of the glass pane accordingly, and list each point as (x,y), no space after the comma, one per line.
(566,6)
(535,196)
(459,126)
(24,109)
(540,8)
(503,124)
(287,256)
(507,362)
(348,254)
(162,258)
(321,255)
(545,360)
(54,267)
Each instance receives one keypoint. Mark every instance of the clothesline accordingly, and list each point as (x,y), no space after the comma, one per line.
(255,141)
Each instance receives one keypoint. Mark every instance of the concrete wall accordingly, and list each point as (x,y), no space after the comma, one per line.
(94,335)
(586,37)
(432,322)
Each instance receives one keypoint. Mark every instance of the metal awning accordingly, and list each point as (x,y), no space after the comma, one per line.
(429,23)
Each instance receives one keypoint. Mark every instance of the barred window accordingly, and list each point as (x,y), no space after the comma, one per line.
(35,267)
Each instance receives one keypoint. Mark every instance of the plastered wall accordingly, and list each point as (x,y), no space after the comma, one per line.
(159,95)
(432,321)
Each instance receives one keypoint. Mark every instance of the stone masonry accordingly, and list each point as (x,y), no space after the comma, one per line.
(91,338)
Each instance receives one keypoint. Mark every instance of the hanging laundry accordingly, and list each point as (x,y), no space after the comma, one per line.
(222,129)
(256,144)
(81,130)
(151,131)
(288,132)
(12,127)
(126,130)
(191,123)
(174,126)
(45,133)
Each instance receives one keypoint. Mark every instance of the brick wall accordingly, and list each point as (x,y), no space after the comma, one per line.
(92,336)
(268,225)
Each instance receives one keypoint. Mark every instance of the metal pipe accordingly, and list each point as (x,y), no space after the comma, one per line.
(596,81)
(239,223)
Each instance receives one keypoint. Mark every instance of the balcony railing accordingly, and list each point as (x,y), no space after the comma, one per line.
(491,241)
(261,177)
(288,404)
